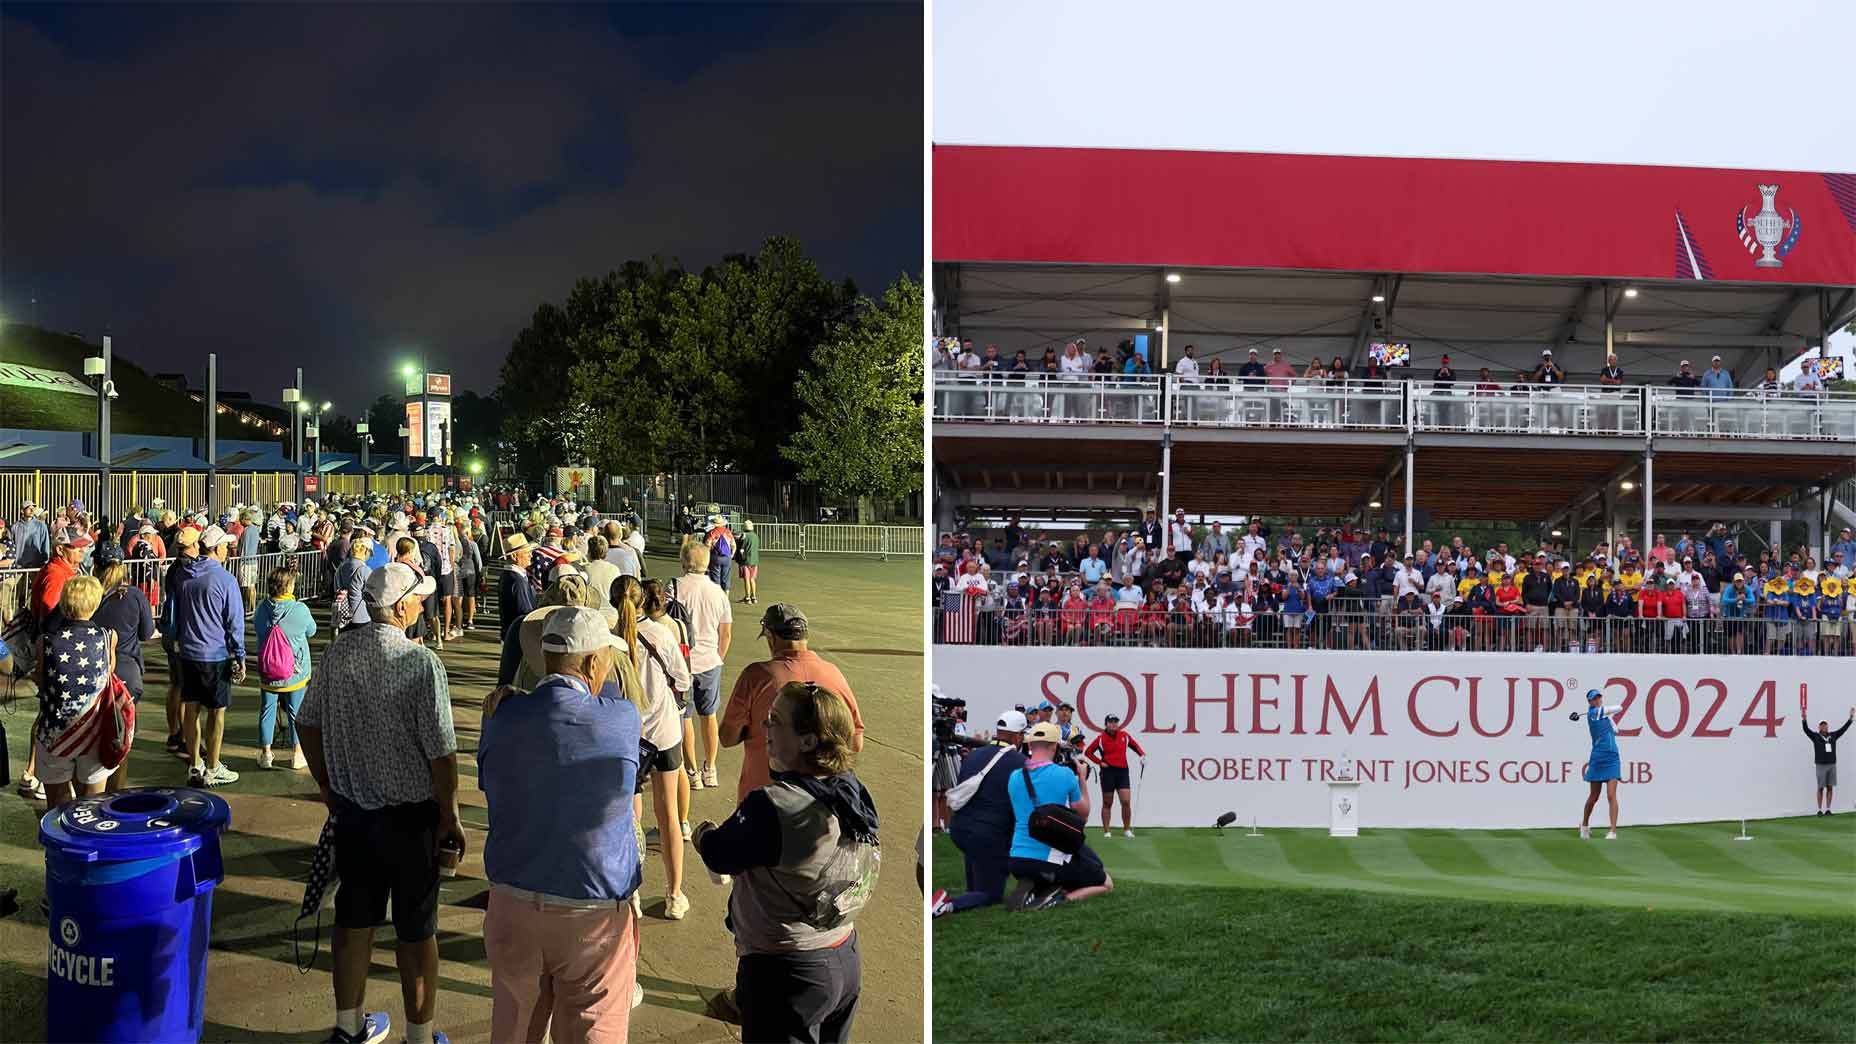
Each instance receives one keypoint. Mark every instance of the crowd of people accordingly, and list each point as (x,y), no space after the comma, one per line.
(610,682)
(1201,586)
(994,796)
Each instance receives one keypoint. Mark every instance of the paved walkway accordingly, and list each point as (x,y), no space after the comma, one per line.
(866,617)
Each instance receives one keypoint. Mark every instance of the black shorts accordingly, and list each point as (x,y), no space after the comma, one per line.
(1114,778)
(652,760)
(1084,870)
(173,655)
(447,584)
(206,682)
(388,853)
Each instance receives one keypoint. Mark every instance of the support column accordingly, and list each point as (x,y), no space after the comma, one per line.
(103,433)
(1166,334)
(1410,452)
(1609,523)
(1773,533)
(1609,349)
(1649,510)
(1166,491)
(1814,526)
(212,435)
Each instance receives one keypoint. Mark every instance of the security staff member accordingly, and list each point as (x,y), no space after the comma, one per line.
(1824,751)
(982,829)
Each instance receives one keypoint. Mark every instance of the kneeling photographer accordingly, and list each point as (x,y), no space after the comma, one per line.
(982,823)
(1049,813)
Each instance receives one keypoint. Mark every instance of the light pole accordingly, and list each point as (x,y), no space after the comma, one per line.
(293,403)
(99,366)
(367,473)
(316,431)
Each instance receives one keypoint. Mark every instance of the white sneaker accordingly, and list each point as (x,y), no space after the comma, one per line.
(1585,833)
(686,829)
(196,776)
(265,760)
(676,906)
(637,906)
(708,776)
(637,994)
(1611,835)
(298,761)
(695,780)
(1106,834)
(219,776)
(1127,833)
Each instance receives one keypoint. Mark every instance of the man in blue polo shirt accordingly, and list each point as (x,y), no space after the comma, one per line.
(1093,568)
(558,767)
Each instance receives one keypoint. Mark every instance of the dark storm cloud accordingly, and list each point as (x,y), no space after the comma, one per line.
(336,186)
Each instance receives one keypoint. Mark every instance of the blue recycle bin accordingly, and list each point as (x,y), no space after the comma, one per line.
(130,878)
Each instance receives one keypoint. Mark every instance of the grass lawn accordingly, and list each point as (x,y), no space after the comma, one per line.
(1669,933)
(866,618)
(144,408)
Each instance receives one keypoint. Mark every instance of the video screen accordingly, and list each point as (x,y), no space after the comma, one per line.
(1828,369)
(1394,354)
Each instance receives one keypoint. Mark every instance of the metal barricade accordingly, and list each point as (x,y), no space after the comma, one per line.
(1074,398)
(1561,409)
(1256,402)
(1743,413)
(986,621)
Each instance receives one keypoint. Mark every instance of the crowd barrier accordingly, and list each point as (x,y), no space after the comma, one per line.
(1411,405)
(1450,740)
(968,624)
(313,580)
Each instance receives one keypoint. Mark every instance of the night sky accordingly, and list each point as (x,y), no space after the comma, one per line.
(346,187)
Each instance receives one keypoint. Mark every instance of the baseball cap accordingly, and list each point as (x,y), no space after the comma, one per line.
(108,552)
(1112,717)
(563,568)
(788,621)
(578,630)
(187,536)
(1044,732)
(213,536)
(74,538)
(1546,351)
(1012,721)
(393,582)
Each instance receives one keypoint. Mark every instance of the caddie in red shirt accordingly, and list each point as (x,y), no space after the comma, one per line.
(1109,751)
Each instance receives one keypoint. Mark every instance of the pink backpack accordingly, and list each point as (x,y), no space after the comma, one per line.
(276,661)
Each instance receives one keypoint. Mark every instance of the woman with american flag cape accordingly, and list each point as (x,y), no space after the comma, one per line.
(76,660)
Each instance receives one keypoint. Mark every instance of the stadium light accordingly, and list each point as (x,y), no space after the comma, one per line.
(1627,486)
(1557,533)
(1375,504)
(1630,291)
(1379,299)
(328,405)
(476,467)
(302,406)
(408,370)
(1172,277)
(1158,328)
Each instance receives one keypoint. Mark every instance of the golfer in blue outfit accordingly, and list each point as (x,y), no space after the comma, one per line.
(1601,768)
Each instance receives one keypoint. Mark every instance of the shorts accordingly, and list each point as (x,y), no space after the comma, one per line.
(387,853)
(173,654)
(248,573)
(1830,628)
(1293,621)
(84,768)
(206,682)
(1536,610)
(750,572)
(705,693)
(1084,870)
(669,759)
(1114,778)
(447,584)
(1826,774)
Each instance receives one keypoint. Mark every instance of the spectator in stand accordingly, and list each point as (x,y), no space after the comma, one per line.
(1844,550)
(1280,371)
(1445,377)
(1317,370)
(1565,603)
(1104,363)
(1187,368)
(1252,372)
(1548,372)
(1717,380)
(1685,380)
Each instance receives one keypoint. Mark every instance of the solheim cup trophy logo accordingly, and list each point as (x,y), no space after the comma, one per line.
(1768,231)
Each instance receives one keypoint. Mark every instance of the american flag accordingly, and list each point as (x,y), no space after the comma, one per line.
(77,671)
(960,615)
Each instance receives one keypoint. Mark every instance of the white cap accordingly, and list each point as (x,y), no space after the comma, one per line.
(577,629)
(394,581)
(1012,721)
(561,569)
(213,536)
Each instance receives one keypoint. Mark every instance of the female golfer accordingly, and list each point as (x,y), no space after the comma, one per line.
(1602,766)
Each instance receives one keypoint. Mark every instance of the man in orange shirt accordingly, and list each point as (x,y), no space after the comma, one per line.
(67,554)
(785,628)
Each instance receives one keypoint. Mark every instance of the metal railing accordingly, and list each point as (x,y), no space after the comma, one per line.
(1454,631)
(1076,398)
(1751,413)
(824,539)
(1400,405)
(1261,402)
(313,580)
(1557,409)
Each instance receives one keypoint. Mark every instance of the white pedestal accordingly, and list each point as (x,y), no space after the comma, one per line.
(1344,808)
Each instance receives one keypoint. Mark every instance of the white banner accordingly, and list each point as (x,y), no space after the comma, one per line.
(23,376)
(1440,740)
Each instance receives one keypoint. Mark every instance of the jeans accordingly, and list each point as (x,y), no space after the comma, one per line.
(267,716)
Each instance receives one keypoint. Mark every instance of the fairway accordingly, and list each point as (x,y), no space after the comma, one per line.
(865,616)
(1673,932)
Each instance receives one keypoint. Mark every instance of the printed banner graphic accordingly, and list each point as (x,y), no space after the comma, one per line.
(1471,740)
(45,380)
